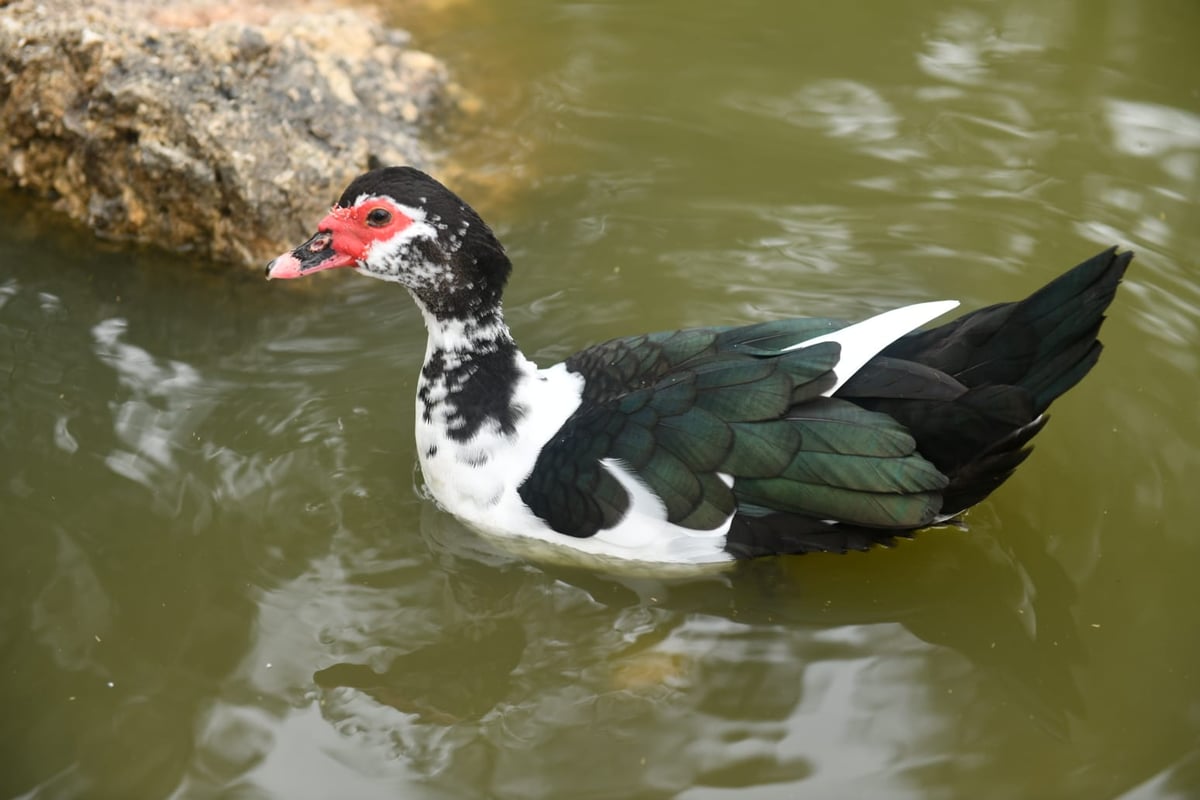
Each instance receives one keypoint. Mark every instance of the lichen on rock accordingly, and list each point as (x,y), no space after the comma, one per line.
(222,129)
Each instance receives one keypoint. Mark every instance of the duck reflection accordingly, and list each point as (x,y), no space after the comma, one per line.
(550,675)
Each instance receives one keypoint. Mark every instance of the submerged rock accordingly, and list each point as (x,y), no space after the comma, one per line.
(222,129)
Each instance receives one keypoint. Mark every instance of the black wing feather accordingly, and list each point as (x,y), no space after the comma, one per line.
(924,430)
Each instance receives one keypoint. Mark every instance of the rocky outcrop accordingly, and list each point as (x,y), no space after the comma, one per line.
(221,129)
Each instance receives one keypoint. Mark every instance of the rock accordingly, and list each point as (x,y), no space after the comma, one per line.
(217,128)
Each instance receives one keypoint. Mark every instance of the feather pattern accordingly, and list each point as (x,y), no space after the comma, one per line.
(700,446)
(724,402)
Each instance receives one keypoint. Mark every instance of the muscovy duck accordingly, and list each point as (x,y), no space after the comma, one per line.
(701,446)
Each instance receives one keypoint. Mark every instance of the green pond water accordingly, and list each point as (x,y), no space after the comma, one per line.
(220,577)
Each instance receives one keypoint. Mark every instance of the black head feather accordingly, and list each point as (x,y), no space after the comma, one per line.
(476,267)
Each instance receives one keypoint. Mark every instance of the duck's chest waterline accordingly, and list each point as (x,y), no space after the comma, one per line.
(474,462)
(478,479)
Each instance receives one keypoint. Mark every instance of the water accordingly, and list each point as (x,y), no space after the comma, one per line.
(220,576)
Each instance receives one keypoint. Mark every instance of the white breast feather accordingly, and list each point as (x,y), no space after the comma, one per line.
(484,495)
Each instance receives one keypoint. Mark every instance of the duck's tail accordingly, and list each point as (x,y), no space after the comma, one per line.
(1045,343)
(1012,360)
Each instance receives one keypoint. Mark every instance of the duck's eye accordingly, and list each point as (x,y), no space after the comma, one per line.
(378,217)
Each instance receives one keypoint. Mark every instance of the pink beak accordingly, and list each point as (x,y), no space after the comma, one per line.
(313,256)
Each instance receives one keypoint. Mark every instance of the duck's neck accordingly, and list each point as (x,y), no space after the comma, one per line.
(484,414)
(471,372)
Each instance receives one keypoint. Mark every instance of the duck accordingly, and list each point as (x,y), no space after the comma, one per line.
(705,446)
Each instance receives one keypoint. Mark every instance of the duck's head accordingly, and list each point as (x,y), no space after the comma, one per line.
(398,224)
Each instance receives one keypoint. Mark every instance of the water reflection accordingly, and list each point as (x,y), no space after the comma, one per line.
(158,406)
(70,605)
(134,516)
(1150,130)
(513,683)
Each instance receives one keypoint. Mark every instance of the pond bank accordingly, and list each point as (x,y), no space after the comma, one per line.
(215,128)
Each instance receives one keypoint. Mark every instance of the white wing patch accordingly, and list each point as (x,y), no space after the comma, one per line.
(645,534)
(862,341)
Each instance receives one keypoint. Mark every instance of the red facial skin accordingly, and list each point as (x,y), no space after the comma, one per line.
(344,238)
